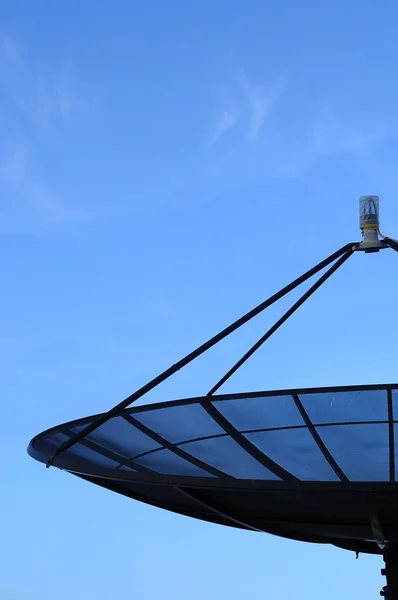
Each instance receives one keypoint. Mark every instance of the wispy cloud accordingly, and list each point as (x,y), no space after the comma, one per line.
(52,208)
(295,138)
(41,96)
(251,107)
(9,51)
(13,164)
(27,199)
(226,121)
(335,135)
(261,101)
(332,136)
(43,99)
(64,92)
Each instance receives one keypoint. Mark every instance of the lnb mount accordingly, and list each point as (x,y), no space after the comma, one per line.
(369,210)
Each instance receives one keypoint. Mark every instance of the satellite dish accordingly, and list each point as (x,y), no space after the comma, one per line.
(315,465)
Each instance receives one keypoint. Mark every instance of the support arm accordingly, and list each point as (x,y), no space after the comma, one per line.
(284,318)
(116,410)
(392,243)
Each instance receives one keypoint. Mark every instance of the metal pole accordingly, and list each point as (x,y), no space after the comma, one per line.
(390,571)
(101,419)
(392,243)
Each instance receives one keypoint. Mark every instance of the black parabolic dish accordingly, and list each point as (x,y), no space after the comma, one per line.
(317,465)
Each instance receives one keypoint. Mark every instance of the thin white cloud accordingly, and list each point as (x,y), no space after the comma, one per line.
(52,208)
(9,51)
(44,98)
(261,101)
(13,165)
(252,110)
(41,99)
(64,94)
(26,199)
(333,135)
(227,121)
(41,96)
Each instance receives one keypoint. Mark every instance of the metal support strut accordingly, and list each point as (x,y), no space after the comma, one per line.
(340,256)
(390,571)
(284,318)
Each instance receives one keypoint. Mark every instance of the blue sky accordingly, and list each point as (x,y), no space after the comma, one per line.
(164,166)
